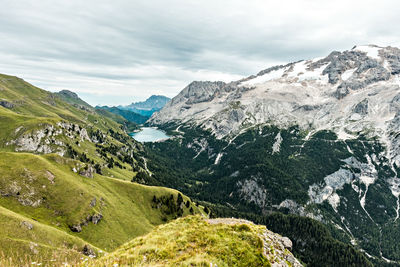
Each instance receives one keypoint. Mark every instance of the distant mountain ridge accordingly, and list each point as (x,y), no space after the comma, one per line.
(127,114)
(149,106)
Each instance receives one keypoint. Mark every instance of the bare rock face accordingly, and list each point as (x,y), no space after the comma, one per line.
(30,142)
(43,140)
(362,107)
(253,192)
(334,92)
(198,92)
(279,247)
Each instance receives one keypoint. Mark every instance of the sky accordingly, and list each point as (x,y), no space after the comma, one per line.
(122,51)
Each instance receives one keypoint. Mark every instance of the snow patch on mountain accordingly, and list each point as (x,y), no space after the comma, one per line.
(371,50)
(348,92)
(275,74)
(218,158)
(277,145)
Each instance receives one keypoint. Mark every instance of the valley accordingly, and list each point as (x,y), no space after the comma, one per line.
(65,186)
(315,138)
(262,148)
(199,133)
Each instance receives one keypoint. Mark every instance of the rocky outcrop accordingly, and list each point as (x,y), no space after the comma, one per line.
(95,219)
(279,247)
(88,171)
(362,107)
(198,92)
(253,192)
(275,247)
(88,251)
(23,191)
(6,104)
(27,225)
(76,228)
(93,202)
(46,139)
(50,176)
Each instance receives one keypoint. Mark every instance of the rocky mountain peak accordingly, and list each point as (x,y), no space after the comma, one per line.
(153,102)
(197,92)
(345,91)
(68,94)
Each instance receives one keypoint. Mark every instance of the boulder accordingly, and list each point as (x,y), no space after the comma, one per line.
(93,202)
(6,104)
(87,172)
(96,218)
(27,225)
(88,251)
(287,243)
(76,228)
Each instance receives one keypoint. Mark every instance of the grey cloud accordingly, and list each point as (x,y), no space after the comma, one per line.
(117,41)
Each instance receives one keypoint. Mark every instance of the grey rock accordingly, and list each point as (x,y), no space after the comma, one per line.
(362,107)
(33,247)
(341,92)
(96,218)
(87,171)
(6,104)
(76,228)
(286,242)
(340,62)
(93,202)
(252,191)
(27,225)
(197,92)
(236,115)
(88,251)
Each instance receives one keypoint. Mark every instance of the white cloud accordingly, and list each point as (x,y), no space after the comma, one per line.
(125,49)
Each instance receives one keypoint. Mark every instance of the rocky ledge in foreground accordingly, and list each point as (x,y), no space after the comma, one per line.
(196,241)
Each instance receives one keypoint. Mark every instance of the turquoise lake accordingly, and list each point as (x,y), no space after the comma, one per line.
(148,134)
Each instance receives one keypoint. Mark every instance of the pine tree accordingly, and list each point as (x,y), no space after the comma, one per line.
(180,199)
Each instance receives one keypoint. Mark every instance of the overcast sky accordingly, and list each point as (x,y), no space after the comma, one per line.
(119,51)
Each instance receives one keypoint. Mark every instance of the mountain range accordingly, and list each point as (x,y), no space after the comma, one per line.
(316,138)
(138,112)
(309,149)
(149,106)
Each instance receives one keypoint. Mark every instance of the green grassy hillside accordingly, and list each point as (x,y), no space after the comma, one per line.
(194,241)
(65,180)
(72,98)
